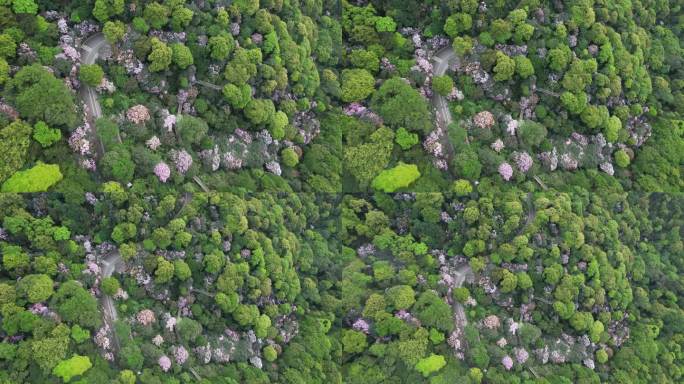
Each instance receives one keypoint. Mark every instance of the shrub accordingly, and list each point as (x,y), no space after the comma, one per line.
(91,74)
(621,158)
(430,364)
(405,139)
(289,156)
(392,179)
(462,187)
(37,179)
(44,135)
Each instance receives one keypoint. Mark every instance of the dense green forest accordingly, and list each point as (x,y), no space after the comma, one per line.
(324,191)
(552,287)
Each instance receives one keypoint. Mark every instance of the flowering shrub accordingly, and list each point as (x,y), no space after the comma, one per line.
(506,171)
(523,161)
(182,160)
(180,354)
(484,119)
(145,317)
(138,114)
(162,171)
(164,363)
(153,143)
(507,362)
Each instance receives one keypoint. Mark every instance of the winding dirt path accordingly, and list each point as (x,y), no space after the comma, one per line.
(90,51)
(460,319)
(109,265)
(442,119)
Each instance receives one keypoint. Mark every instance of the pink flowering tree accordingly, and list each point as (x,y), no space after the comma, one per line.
(523,161)
(145,317)
(164,363)
(138,114)
(484,119)
(162,171)
(182,160)
(181,355)
(153,143)
(507,362)
(506,171)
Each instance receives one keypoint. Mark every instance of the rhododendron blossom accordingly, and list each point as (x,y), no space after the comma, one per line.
(162,171)
(506,171)
(498,145)
(521,355)
(484,119)
(180,354)
(523,161)
(138,114)
(507,362)
(164,363)
(145,317)
(182,160)
(153,143)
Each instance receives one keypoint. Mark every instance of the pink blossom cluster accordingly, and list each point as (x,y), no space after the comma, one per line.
(523,161)
(513,327)
(101,338)
(164,363)
(498,145)
(78,141)
(128,59)
(506,171)
(507,362)
(273,167)
(607,167)
(491,322)
(568,162)
(39,309)
(26,52)
(162,171)
(153,143)
(180,354)
(502,342)
(106,86)
(145,317)
(232,161)
(386,65)
(121,294)
(454,339)
(580,139)
(211,158)
(407,317)
(70,53)
(512,126)
(8,110)
(243,135)
(550,159)
(484,119)
(521,355)
(433,146)
(88,164)
(169,121)
(138,114)
(62,26)
(170,323)
(361,325)
(182,160)
(365,250)
(455,94)
(354,109)
(424,65)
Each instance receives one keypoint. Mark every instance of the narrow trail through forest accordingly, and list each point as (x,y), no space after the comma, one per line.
(443,118)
